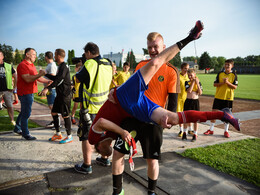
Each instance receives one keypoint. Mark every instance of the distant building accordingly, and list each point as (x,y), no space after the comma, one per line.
(121,56)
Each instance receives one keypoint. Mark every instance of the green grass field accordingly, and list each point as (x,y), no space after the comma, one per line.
(248,86)
(239,158)
(5,124)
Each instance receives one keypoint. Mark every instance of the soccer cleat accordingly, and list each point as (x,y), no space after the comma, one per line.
(73,120)
(180,134)
(184,136)
(81,169)
(195,33)
(66,140)
(103,162)
(209,132)
(194,138)
(55,137)
(228,117)
(122,192)
(226,134)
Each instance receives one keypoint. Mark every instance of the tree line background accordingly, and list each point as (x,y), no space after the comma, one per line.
(204,61)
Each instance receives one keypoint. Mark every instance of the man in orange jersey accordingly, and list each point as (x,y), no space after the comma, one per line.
(164,84)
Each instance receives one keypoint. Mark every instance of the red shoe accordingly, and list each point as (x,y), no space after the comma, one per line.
(226,134)
(208,132)
(195,33)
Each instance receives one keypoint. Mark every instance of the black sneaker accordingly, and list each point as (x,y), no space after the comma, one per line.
(194,138)
(103,162)
(81,169)
(29,137)
(50,125)
(17,132)
(53,128)
(184,136)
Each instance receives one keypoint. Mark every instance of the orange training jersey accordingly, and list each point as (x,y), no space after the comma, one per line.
(165,81)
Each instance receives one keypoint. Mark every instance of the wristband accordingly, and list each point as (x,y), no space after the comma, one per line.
(15,91)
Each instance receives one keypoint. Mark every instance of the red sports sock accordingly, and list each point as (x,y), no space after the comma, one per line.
(193,116)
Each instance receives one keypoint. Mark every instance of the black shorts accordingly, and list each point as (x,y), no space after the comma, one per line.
(83,129)
(62,105)
(77,99)
(220,104)
(149,136)
(192,104)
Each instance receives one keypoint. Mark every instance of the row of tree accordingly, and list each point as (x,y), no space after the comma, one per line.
(204,61)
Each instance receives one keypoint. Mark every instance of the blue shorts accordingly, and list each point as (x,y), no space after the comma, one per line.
(132,99)
(51,97)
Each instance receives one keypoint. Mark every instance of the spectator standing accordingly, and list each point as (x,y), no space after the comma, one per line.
(7,86)
(114,77)
(75,91)
(226,82)
(95,78)
(183,94)
(27,77)
(62,101)
(194,90)
(123,75)
(52,70)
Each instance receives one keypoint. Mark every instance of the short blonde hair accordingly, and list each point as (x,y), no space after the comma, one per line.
(153,35)
(191,70)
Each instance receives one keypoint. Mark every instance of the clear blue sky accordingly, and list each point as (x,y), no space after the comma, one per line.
(232,27)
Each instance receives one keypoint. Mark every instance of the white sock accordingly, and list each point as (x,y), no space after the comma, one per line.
(226,127)
(181,128)
(212,127)
(58,133)
(195,132)
(185,130)
(190,128)
(69,136)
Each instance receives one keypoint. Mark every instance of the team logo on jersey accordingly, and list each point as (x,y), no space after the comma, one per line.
(161,78)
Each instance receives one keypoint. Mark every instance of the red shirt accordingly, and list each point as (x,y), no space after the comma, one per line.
(24,88)
(112,112)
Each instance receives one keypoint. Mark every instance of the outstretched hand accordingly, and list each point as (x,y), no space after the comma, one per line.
(42,72)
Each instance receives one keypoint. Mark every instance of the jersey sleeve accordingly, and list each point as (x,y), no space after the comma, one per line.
(187,86)
(217,78)
(235,80)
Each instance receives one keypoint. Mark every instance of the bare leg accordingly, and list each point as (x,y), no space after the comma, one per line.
(10,113)
(118,163)
(87,152)
(152,168)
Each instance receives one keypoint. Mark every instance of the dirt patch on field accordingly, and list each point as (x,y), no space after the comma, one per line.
(250,127)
